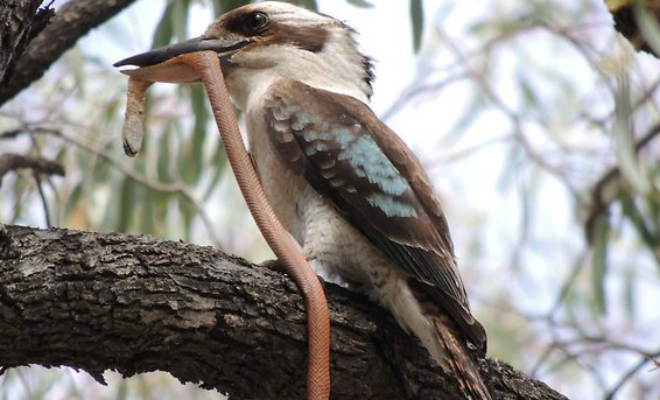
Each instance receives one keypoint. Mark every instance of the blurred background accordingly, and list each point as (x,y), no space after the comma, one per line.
(537,122)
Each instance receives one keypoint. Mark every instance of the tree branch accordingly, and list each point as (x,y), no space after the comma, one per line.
(136,304)
(73,20)
(601,200)
(10,162)
(21,20)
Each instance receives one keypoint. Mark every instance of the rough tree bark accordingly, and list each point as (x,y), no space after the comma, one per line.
(136,303)
(20,22)
(73,20)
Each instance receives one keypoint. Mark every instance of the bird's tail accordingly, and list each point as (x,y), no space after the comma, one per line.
(457,357)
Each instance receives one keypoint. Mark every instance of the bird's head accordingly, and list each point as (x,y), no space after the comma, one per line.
(260,43)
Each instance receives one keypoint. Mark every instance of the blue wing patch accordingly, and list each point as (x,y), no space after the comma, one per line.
(351,147)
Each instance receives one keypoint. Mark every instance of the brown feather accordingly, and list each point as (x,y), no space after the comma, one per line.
(456,352)
(464,368)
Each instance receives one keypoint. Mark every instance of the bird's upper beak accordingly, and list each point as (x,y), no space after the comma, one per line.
(160,65)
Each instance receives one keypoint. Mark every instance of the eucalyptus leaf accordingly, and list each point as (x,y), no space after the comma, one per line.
(180,14)
(600,263)
(653,205)
(219,167)
(614,5)
(164,160)
(624,134)
(148,223)
(218,8)
(360,3)
(73,200)
(188,213)
(529,95)
(128,199)
(417,18)
(122,390)
(629,285)
(637,217)
(226,5)
(308,4)
(648,25)
(164,29)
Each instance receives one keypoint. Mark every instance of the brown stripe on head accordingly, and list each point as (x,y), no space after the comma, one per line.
(275,24)
(241,21)
(310,38)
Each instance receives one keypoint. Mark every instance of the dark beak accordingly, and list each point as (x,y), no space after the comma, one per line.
(158,65)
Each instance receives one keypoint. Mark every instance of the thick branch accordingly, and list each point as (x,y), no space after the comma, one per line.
(73,20)
(20,22)
(12,162)
(136,304)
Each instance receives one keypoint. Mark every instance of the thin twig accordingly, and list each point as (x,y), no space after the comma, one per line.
(515,119)
(645,360)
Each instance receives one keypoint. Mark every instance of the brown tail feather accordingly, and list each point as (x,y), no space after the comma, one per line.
(458,358)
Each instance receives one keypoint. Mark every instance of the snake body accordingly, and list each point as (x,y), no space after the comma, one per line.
(207,65)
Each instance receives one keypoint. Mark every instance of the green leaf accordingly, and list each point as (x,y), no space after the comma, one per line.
(638,219)
(629,281)
(220,165)
(648,25)
(164,29)
(529,96)
(217,8)
(360,3)
(614,5)
(128,199)
(600,266)
(73,199)
(148,225)
(164,161)
(653,205)
(624,134)
(188,214)
(417,18)
(226,5)
(122,390)
(308,4)
(162,202)
(180,19)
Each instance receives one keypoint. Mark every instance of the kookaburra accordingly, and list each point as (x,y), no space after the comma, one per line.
(343,184)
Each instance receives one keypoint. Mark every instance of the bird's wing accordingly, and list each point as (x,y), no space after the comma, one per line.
(348,155)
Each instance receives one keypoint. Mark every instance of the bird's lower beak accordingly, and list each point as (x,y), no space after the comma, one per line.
(160,65)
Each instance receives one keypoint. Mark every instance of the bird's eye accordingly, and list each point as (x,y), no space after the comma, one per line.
(255,22)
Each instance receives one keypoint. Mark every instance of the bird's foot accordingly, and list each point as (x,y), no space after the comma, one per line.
(277,265)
